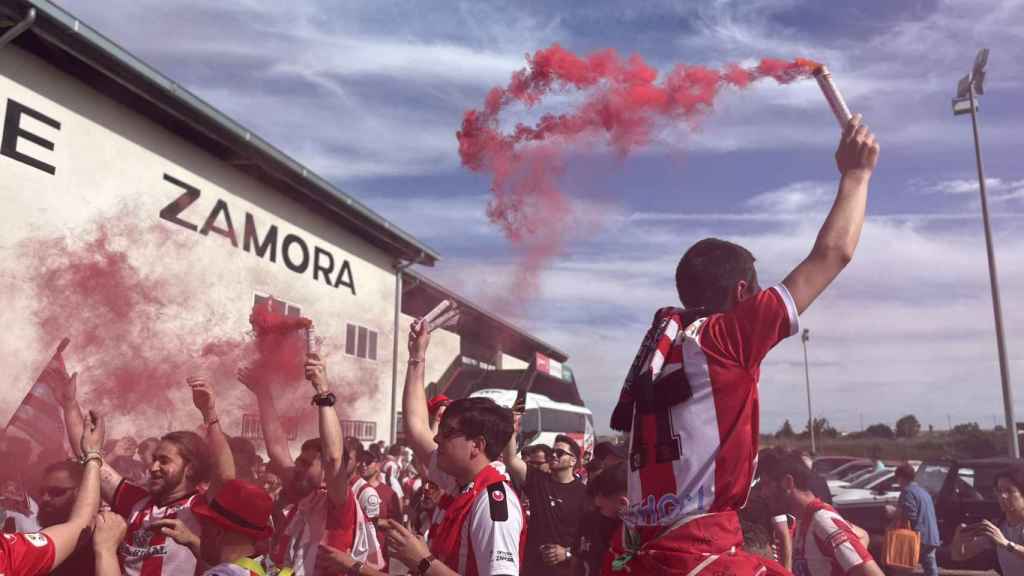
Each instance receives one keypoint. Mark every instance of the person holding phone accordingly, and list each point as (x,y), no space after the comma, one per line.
(1008,537)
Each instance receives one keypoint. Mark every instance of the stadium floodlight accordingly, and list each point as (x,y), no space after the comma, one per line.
(966,102)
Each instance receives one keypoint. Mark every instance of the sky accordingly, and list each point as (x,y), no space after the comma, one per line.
(370,95)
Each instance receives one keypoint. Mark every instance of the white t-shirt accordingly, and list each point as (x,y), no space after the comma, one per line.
(486,546)
(146,550)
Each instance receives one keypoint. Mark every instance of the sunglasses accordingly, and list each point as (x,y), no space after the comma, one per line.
(558,452)
(55,491)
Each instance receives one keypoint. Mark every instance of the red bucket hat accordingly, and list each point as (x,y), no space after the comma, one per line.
(239,507)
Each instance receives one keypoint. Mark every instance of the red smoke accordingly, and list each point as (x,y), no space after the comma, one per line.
(623,104)
(136,334)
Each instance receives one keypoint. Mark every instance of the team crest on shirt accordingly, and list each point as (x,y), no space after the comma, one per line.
(498,501)
(37,540)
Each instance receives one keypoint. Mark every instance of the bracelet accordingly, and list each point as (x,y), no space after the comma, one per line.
(90,456)
(212,422)
(415,360)
(324,399)
(354,569)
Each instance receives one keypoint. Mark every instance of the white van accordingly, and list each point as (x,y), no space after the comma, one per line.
(544,419)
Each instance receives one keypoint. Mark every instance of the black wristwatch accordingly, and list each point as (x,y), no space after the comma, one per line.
(324,399)
(424,565)
(354,569)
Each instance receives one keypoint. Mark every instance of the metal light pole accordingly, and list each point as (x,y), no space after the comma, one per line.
(968,88)
(804,337)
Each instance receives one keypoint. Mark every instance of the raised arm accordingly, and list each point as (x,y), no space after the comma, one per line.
(87,502)
(513,462)
(220,451)
(335,473)
(416,420)
(837,240)
(281,461)
(66,393)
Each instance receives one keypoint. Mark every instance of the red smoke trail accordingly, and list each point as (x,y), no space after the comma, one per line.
(623,104)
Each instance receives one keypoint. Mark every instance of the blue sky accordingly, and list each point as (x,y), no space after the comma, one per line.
(370,96)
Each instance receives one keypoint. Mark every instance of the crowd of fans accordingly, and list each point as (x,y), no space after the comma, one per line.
(691,495)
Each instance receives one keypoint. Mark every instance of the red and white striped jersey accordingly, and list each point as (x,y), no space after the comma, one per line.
(26,554)
(699,455)
(146,552)
(825,544)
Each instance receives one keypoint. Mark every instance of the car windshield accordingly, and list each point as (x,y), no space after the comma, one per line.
(931,476)
(869,479)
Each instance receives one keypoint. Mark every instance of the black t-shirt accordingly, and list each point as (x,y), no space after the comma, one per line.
(555,513)
(596,532)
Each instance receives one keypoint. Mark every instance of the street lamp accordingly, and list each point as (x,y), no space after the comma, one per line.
(968,88)
(804,337)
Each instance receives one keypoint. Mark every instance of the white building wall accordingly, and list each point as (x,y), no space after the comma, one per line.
(110,166)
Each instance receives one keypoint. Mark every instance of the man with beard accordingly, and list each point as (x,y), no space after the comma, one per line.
(161,523)
(56,498)
(32,554)
(323,508)
(556,505)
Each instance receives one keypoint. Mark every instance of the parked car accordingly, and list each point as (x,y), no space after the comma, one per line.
(964,493)
(825,464)
(849,468)
(862,482)
(852,478)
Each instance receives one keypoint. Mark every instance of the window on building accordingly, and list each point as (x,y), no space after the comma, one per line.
(361,342)
(361,429)
(252,429)
(276,305)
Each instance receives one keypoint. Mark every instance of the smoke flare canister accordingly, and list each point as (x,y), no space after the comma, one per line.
(310,340)
(835,99)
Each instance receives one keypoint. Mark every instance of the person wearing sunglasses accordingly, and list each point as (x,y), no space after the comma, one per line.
(556,501)
(56,498)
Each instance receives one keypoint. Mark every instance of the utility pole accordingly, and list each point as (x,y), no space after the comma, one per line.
(804,337)
(968,88)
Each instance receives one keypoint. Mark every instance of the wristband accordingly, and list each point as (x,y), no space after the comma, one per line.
(354,570)
(415,360)
(216,420)
(324,399)
(89,456)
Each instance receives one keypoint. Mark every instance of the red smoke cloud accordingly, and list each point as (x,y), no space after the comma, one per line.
(624,102)
(137,331)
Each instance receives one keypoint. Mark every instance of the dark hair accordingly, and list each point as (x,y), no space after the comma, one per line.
(756,540)
(708,272)
(610,481)
(193,450)
(244,453)
(904,472)
(573,446)
(313,444)
(369,456)
(1014,474)
(482,417)
(151,442)
(789,465)
(534,448)
(353,449)
(72,467)
(395,450)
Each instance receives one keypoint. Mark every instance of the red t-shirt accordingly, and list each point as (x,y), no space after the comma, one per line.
(699,455)
(26,554)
